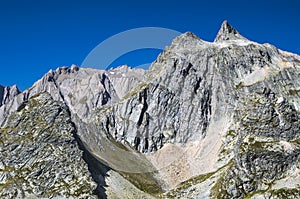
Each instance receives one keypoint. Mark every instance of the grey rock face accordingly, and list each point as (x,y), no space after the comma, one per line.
(266,150)
(40,157)
(82,89)
(7,93)
(124,79)
(227,32)
(193,87)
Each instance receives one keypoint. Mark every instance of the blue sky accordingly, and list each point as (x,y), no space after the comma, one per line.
(36,36)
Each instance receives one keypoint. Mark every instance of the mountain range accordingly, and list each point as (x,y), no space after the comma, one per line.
(208,120)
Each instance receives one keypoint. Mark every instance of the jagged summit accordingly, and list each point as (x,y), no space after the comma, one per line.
(227,32)
(187,38)
(227,35)
(188,35)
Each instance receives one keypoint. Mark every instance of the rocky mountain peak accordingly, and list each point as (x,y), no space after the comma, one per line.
(227,32)
(187,36)
(186,39)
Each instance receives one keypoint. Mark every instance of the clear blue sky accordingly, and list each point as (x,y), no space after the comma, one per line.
(36,36)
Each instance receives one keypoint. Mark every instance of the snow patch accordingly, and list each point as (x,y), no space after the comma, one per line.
(238,42)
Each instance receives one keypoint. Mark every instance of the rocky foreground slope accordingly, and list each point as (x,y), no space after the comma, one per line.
(208,120)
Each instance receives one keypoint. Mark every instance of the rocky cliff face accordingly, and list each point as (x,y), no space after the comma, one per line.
(40,156)
(81,89)
(7,93)
(208,120)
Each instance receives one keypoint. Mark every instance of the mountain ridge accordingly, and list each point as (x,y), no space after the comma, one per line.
(219,116)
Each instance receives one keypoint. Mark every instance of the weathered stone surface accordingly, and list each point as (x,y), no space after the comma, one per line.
(227,32)
(40,157)
(215,94)
(82,89)
(7,93)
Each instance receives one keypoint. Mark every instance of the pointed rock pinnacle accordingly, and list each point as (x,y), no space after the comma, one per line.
(227,32)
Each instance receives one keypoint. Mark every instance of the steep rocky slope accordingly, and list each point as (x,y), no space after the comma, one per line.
(208,120)
(40,156)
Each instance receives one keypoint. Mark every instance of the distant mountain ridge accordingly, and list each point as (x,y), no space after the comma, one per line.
(207,120)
